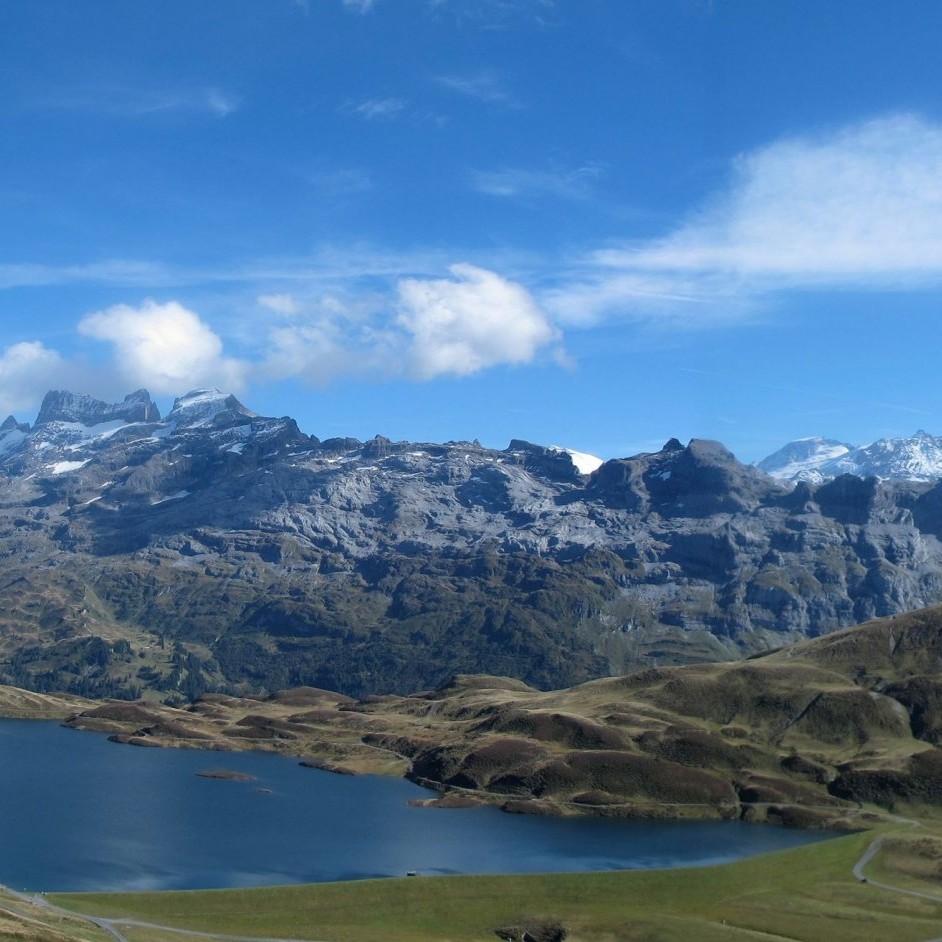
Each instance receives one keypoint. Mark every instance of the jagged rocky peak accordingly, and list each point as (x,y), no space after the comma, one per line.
(696,480)
(11,425)
(704,477)
(60,405)
(207,406)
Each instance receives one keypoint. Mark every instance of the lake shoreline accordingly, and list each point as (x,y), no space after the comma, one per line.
(384,736)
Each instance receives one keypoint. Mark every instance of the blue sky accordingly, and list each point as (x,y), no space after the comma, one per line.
(594,223)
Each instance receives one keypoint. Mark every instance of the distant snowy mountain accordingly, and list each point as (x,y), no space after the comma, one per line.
(917,458)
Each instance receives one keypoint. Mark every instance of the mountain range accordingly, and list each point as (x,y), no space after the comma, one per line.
(917,458)
(216,549)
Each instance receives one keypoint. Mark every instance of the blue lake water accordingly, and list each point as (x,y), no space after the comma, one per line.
(81,813)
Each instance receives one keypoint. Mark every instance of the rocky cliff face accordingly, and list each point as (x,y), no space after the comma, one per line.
(63,406)
(219,549)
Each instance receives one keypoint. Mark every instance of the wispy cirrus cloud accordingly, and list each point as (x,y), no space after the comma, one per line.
(858,207)
(334,181)
(118,101)
(359,6)
(284,304)
(376,108)
(340,264)
(481,86)
(518,182)
(130,272)
(495,14)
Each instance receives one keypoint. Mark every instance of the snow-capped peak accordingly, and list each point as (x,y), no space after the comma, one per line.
(201,406)
(803,458)
(918,458)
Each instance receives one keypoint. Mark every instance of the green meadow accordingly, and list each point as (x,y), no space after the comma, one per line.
(809,893)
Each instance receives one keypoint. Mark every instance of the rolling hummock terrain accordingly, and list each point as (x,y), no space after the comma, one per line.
(213,549)
(809,735)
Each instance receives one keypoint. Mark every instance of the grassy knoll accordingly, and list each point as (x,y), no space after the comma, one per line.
(806,893)
(25,704)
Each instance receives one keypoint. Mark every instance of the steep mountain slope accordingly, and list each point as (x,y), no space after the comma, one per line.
(217,549)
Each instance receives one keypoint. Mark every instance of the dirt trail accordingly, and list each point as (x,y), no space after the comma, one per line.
(111,926)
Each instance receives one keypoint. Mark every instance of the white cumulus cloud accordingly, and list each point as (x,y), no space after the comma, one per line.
(27,371)
(472,321)
(165,347)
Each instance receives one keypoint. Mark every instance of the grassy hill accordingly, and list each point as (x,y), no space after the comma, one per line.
(804,735)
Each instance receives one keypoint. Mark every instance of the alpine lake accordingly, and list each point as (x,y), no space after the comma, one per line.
(85,814)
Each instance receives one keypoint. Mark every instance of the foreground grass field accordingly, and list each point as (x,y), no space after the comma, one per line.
(809,893)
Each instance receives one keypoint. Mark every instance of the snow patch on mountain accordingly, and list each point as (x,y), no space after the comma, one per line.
(918,458)
(178,496)
(64,467)
(584,462)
